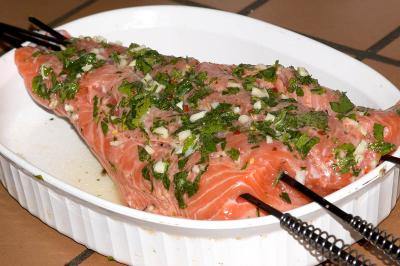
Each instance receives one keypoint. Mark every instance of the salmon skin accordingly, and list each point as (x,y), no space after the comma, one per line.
(186,138)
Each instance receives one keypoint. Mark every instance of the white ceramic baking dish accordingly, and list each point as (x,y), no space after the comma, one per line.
(74,198)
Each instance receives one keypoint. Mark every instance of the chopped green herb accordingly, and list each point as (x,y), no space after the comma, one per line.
(95,107)
(244,167)
(115,57)
(189,142)
(382,147)
(277,179)
(125,88)
(343,106)
(318,90)
(238,71)
(231,91)
(346,161)
(306,80)
(104,127)
(268,74)
(182,163)
(182,186)
(139,106)
(67,90)
(315,119)
(234,154)
(378,132)
(249,83)
(305,143)
(144,156)
(39,88)
(184,87)
(285,197)
(295,87)
(163,176)
(146,173)
(209,144)
(198,95)
(146,58)
(39,177)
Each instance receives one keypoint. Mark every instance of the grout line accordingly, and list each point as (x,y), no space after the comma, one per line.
(382,43)
(192,3)
(81,257)
(370,53)
(71,12)
(253,6)
(360,54)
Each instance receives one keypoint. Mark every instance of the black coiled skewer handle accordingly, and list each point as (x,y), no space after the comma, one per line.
(327,245)
(388,243)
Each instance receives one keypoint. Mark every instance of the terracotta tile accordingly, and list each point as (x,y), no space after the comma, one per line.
(392,50)
(100,260)
(232,6)
(25,240)
(103,5)
(355,23)
(391,72)
(17,12)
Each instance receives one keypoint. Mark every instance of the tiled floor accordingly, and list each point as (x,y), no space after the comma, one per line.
(352,26)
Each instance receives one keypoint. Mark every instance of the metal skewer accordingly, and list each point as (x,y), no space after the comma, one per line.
(389,244)
(390,158)
(14,35)
(46,28)
(328,245)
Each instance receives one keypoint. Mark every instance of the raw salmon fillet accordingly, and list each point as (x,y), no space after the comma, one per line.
(186,138)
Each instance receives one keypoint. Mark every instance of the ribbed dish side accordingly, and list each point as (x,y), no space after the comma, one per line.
(134,244)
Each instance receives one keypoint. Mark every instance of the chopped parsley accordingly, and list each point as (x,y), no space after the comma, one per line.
(343,106)
(145,58)
(234,154)
(244,167)
(318,90)
(378,132)
(269,74)
(295,87)
(146,172)
(285,197)
(74,64)
(239,70)
(104,127)
(184,186)
(139,105)
(277,179)
(39,88)
(346,161)
(95,107)
(163,176)
(231,91)
(305,143)
(39,177)
(143,154)
(198,95)
(182,163)
(380,146)
(115,57)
